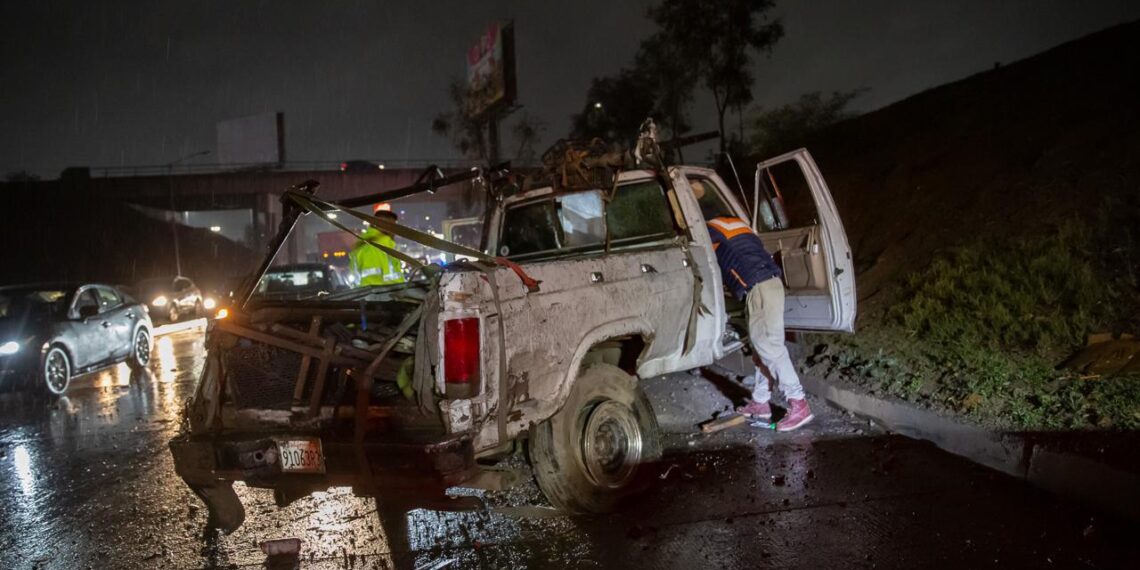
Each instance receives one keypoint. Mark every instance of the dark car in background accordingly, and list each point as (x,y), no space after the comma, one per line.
(360,166)
(171,298)
(299,281)
(51,332)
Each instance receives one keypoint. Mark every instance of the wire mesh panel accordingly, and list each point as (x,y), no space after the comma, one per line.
(262,376)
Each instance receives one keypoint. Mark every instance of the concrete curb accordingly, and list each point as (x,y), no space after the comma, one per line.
(172,328)
(1071,475)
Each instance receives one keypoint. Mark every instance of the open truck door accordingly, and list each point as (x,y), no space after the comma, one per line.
(796,218)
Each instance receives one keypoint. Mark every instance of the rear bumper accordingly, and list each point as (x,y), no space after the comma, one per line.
(414,473)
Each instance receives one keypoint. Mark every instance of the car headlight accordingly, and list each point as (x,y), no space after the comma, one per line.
(159,301)
(222,313)
(209,303)
(9,348)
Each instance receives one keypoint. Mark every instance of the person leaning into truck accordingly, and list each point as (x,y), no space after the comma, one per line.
(752,275)
(370,264)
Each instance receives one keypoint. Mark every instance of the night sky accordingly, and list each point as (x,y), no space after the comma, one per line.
(135,83)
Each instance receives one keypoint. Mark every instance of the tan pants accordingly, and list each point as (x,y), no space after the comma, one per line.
(766,332)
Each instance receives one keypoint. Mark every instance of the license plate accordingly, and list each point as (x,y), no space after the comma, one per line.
(301,455)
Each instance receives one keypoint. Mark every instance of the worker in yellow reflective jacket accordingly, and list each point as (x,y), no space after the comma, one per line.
(370,264)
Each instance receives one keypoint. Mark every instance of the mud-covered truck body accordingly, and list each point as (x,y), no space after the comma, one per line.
(403,391)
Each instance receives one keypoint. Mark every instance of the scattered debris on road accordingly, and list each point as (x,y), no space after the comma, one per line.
(722,423)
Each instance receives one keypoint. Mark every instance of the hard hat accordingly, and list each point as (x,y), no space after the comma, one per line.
(384,209)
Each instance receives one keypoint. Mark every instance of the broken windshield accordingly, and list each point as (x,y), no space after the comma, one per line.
(316,241)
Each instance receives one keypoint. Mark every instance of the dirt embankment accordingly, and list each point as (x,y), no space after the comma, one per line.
(995,224)
(1012,151)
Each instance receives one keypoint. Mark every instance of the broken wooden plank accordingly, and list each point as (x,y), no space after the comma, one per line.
(273,340)
(723,423)
(306,361)
(322,375)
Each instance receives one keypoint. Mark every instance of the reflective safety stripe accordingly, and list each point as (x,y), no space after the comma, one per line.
(739,280)
(729,227)
(370,271)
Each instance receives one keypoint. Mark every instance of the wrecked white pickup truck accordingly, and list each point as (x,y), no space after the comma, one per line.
(590,277)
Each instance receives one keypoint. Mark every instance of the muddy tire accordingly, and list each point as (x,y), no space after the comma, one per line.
(602,446)
(140,350)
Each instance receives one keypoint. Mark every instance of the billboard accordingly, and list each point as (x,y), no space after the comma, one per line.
(491,71)
(256,139)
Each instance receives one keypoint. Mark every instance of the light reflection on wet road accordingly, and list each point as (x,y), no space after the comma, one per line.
(87,482)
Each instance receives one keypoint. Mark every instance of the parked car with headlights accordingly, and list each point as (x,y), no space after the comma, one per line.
(50,333)
(360,166)
(171,298)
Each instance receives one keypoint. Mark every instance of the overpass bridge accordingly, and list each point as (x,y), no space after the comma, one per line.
(193,189)
(190,188)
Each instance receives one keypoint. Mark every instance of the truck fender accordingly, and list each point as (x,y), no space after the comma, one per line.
(598,335)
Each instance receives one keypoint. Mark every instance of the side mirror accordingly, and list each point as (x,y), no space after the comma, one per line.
(88,311)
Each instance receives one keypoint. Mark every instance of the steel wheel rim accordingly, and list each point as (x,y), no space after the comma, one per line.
(611,444)
(142,348)
(56,371)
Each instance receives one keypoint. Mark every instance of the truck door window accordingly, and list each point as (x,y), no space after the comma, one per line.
(784,188)
(639,212)
(712,204)
(530,228)
(581,218)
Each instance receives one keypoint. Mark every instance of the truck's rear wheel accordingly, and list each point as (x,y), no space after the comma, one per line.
(600,447)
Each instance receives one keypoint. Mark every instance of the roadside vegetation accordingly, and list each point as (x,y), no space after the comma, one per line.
(981,330)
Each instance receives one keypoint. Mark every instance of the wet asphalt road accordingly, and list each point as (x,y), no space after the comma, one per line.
(87,482)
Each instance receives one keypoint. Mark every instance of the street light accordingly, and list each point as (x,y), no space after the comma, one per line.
(598,105)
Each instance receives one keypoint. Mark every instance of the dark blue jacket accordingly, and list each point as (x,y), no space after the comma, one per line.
(743,260)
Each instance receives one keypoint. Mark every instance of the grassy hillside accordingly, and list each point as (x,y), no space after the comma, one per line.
(995,223)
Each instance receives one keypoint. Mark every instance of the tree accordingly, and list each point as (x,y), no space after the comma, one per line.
(526,133)
(471,136)
(659,85)
(615,106)
(671,78)
(788,126)
(468,135)
(719,36)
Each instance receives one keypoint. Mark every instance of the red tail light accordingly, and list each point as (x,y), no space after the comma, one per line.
(461,350)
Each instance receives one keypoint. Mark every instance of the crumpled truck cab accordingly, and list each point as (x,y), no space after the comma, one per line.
(579,289)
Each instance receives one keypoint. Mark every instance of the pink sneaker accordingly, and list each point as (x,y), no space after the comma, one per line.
(756,410)
(798,414)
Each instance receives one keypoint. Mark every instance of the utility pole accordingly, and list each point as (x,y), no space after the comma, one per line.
(493,136)
(173,223)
